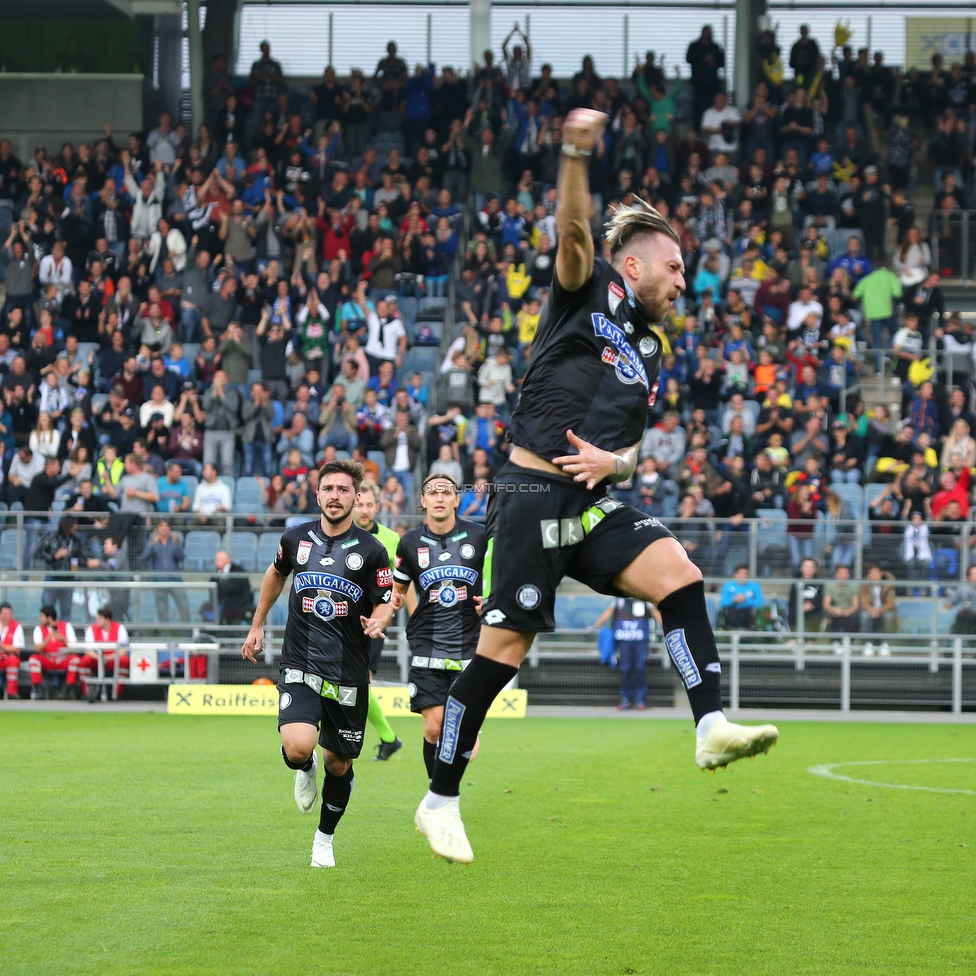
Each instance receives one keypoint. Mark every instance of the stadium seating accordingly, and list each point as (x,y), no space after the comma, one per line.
(8,550)
(247,496)
(243,547)
(200,547)
(267,548)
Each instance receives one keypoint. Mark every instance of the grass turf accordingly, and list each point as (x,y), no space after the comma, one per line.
(149,844)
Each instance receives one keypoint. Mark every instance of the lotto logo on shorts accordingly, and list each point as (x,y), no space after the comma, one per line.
(384,577)
(680,652)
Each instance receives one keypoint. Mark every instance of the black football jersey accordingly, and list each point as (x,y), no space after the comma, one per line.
(337,579)
(446,571)
(594,369)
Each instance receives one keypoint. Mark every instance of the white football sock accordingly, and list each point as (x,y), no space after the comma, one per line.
(706,722)
(434,801)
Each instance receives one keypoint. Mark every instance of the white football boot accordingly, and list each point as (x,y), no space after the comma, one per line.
(322,855)
(726,742)
(306,787)
(444,831)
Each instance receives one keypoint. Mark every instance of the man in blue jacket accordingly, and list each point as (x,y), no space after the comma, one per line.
(740,600)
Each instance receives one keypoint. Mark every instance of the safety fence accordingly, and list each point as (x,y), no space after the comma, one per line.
(953,244)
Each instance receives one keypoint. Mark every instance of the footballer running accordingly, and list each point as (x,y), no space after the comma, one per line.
(341,598)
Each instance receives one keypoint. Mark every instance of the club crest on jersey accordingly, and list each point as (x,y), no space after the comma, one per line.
(448,595)
(324,608)
(615,295)
(304,548)
(467,551)
(626,362)
(423,557)
(647,346)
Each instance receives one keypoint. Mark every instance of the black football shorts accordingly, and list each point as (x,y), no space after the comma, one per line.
(339,715)
(542,527)
(429,684)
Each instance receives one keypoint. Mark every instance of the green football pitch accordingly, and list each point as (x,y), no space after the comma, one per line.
(150,844)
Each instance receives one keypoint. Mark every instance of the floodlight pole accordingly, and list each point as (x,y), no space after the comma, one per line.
(480,30)
(196,63)
(746,14)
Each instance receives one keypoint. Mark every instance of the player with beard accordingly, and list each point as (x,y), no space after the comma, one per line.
(444,559)
(342,597)
(364,514)
(575,431)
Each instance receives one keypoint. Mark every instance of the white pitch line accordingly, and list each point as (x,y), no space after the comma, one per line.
(827,771)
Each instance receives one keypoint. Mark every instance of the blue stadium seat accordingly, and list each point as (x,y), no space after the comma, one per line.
(279,612)
(200,547)
(422,359)
(247,497)
(244,546)
(711,603)
(914,616)
(191,483)
(586,609)
(772,528)
(407,307)
(230,482)
(431,309)
(563,612)
(854,494)
(8,550)
(267,548)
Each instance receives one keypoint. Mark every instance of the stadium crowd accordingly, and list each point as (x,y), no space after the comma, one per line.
(243,300)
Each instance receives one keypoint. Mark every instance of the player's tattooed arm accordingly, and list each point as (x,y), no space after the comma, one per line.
(271,587)
(574,260)
(593,465)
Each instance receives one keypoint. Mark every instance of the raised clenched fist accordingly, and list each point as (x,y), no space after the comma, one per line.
(582,128)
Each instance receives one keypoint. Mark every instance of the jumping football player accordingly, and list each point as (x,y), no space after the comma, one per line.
(577,428)
(341,597)
(364,514)
(444,559)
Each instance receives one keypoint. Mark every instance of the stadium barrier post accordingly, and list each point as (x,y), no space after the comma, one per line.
(934,656)
(858,549)
(845,675)
(534,654)
(957,676)
(801,624)
(734,673)
(20,542)
(268,645)
(754,547)
(964,553)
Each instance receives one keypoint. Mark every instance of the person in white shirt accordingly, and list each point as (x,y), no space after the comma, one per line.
(56,269)
(163,142)
(157,403)
(737,408)
(212,495)
(495,382)
(720,123)
(387,341)
(106,630)
(805,312)
(11,646)
(518,65)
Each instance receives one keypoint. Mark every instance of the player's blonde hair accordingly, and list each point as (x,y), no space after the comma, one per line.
(626,223)
(372,487)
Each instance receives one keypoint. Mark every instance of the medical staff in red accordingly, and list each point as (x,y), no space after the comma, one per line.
(11,647)
(53,654)
(105,630)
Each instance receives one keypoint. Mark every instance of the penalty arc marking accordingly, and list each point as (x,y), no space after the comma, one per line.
(827,771)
